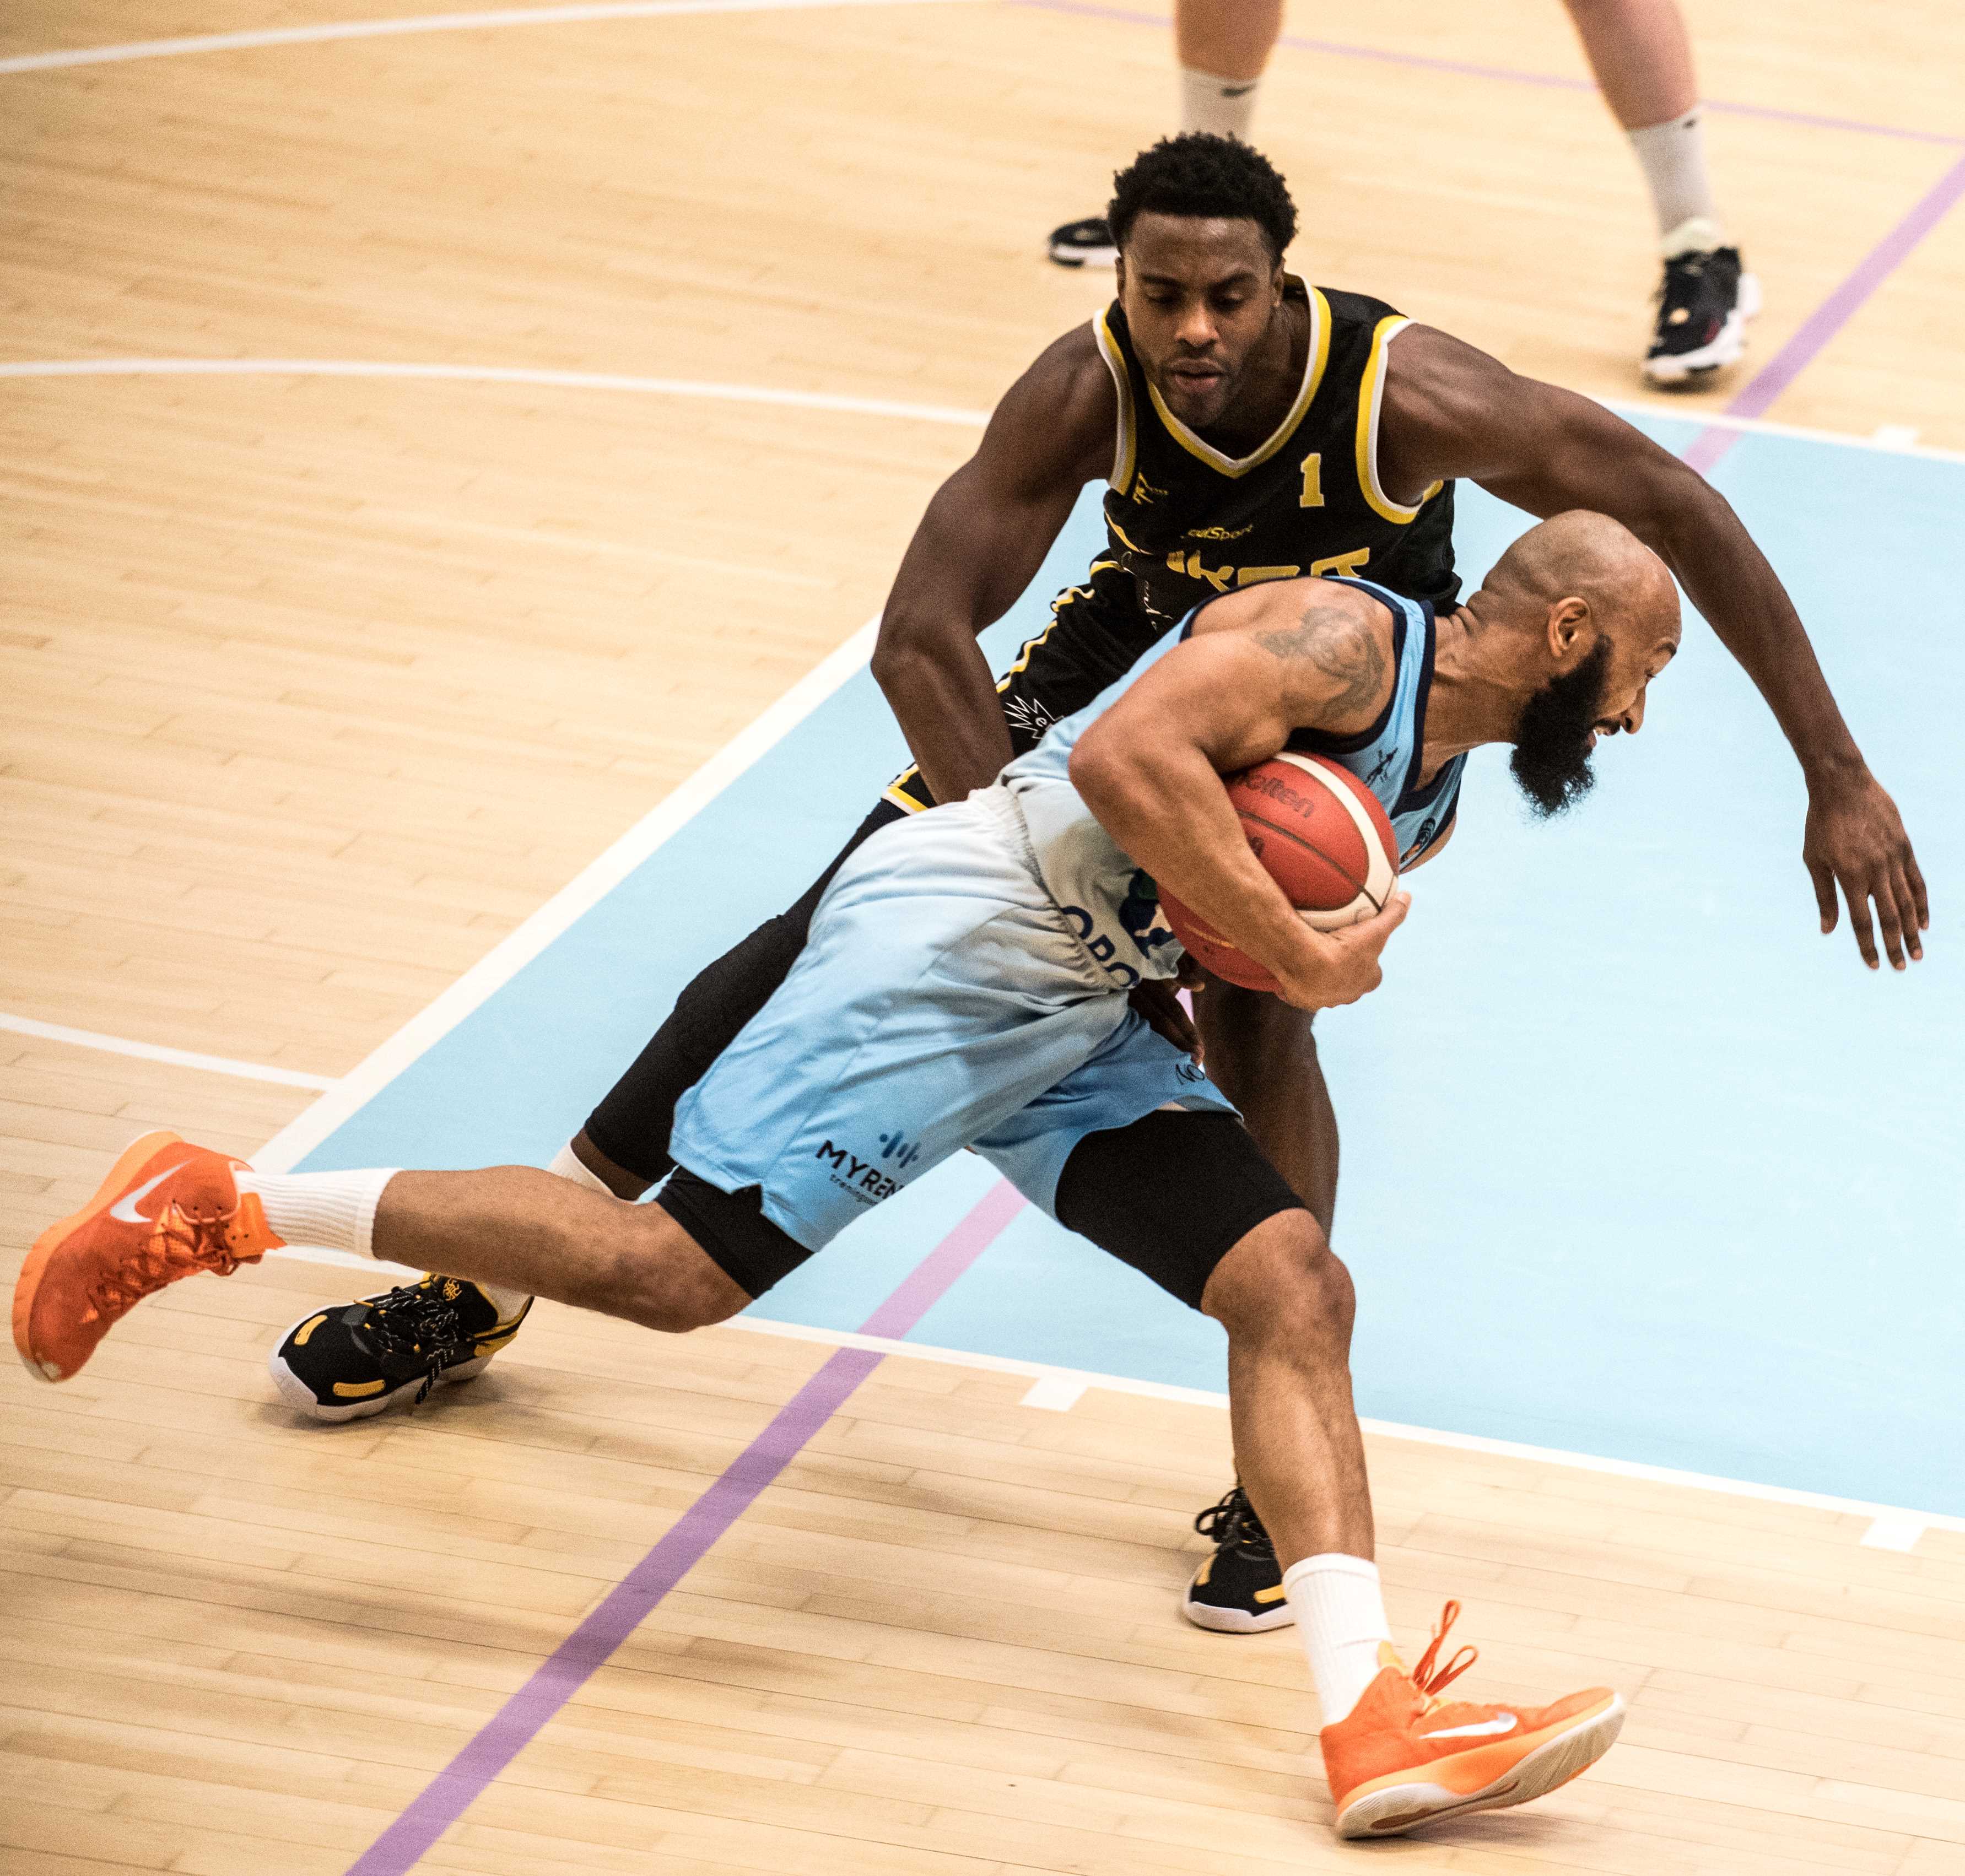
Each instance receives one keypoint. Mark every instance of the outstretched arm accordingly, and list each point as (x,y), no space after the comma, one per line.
(1150,770)
(980,545)
(1450,411)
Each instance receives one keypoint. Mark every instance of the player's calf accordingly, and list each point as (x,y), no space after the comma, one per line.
(168,1209)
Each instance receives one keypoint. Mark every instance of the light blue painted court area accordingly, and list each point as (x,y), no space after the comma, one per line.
(1636,1163)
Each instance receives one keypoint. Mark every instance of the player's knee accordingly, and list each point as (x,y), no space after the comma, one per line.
(1281,1284)
(660,1278)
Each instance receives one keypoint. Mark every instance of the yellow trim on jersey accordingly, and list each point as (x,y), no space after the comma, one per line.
(1315,358)
(1123,449)
(1371,397)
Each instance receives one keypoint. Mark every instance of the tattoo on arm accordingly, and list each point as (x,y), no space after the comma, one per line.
(1340,648)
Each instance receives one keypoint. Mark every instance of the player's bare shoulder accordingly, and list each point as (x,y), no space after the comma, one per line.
(1061,418)
(1332,644)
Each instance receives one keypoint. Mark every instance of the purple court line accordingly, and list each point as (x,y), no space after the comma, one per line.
(1460,68)
(1758,394)
(567,1669)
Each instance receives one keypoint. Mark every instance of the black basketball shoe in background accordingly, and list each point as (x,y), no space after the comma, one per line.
(1087,243)
(1704,305)
(364,1358)
(1239,1590)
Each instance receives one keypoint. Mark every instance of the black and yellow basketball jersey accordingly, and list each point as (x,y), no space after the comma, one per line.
(1185,522)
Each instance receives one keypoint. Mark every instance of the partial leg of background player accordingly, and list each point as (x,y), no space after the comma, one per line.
(1223,46)
(1641,54)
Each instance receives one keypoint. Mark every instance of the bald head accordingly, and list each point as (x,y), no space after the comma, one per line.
(1583,555)
(1571,628)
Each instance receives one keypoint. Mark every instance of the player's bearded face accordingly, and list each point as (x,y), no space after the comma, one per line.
(1557,731)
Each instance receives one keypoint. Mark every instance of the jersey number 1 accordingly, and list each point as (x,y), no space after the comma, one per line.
(1312,480)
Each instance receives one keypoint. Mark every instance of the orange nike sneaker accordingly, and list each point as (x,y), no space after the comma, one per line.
(1403,1756)
(167,1209)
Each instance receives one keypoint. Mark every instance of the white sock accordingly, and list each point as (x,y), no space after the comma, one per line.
(1673,157)
(1223,106)
(1340,1612)
(567,1164)
(334,1210)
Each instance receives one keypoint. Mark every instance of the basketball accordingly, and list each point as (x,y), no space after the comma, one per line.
(1323,838)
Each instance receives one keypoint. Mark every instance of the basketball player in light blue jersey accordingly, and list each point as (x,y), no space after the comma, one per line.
(965,985)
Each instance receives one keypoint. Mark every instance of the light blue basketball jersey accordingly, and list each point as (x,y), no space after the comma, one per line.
(1114,905)
(1387,757)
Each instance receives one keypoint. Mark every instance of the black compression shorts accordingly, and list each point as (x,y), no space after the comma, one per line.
(1172,1195)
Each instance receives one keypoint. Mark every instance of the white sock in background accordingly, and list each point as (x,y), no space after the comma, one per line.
(1340,1612)
(336,1210)
(1222,106)
(1673,157)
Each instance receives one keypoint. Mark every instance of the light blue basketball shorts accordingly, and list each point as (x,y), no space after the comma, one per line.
(942,1001)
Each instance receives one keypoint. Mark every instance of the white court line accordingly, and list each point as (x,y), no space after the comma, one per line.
(1082,1380)
(425,23)
(1891,1527)
(156,1052)
(494,374)
(585,890)
(1054,1393)
(1896,1530)
(1888,439)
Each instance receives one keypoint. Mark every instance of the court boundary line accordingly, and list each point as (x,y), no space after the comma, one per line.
(327,32)
(1083,1379)
(160,1052)
(840,402)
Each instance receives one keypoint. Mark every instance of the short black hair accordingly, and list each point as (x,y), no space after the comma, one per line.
(1204,176)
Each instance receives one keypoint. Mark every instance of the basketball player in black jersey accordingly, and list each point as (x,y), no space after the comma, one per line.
(1250,427)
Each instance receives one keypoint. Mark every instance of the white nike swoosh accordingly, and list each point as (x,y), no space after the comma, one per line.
(125,1208)
(1484,1730)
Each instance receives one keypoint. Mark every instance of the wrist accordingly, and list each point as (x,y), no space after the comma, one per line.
(1828,771)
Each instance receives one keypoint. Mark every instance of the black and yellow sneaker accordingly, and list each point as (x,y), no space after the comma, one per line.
(1239,1590)
(346,1364)
(1703,306)
(1086,243)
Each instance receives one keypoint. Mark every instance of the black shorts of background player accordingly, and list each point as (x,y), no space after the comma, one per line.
(1230,407)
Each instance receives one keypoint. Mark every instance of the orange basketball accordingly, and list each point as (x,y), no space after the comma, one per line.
(1323,838)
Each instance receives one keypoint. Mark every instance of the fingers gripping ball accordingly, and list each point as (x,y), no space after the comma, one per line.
(1323,838)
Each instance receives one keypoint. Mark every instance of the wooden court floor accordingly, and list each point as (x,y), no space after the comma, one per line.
(312,687)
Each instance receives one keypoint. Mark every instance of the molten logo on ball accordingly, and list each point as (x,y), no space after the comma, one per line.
(1321,835)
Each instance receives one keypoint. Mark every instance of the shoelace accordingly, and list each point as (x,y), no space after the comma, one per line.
(178,1246)
(413,1320)
(1232,1524)
(1428,1678)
